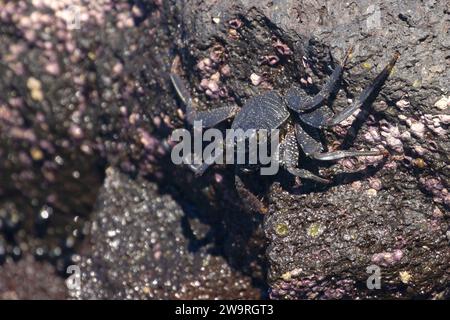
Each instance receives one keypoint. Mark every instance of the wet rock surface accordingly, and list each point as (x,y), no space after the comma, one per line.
(76,80)
(333,238)
(31,280)
(144,246)
(393,213)
(75,101)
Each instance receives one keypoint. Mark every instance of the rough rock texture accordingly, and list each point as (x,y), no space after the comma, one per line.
(395,213)
(145,246)
(74,101)
(76,97)
(31,280)
(76,81)
(323,249)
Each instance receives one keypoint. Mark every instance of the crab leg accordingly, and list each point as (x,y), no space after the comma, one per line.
(290,154)
(298,103)
(336,155)
(200,169)
(249,199)
(313,148)
(366,94)
(209,118)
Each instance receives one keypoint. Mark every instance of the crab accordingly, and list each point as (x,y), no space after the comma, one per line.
(296,113)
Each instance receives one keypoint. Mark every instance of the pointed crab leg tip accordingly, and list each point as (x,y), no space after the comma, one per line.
(322,180)
(394,60)
(348,54)
(263,210)
(385,153)
(350,50)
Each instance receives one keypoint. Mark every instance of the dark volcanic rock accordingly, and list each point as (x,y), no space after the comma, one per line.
(395,213)
(74,101)
(80,86)
(30,279)
(143,246)
(332,237)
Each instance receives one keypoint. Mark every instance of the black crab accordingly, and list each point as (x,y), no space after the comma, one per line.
(296,113)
